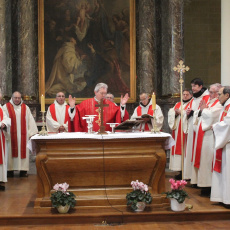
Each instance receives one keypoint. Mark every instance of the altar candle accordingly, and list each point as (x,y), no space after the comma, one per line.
(42,103)
(153,101)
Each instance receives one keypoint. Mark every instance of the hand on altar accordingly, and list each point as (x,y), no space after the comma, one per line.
(124,99)
(146,119)
(72,101)
(61,129)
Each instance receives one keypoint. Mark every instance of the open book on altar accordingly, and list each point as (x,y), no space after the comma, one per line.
(142,116)
(128,125)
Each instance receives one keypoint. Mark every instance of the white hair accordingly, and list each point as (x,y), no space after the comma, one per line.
(99,86)
(216,85)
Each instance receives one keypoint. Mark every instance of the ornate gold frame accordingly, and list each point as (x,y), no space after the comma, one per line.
(41,53)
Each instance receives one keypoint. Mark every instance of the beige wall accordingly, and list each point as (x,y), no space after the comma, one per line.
(202,28)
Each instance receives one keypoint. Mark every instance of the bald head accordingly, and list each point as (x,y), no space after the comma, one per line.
(16,97)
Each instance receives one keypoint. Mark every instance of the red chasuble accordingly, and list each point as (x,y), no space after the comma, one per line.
(111,114)
(2,141)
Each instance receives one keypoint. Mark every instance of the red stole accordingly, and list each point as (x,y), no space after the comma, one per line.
(177,148)
(2,141)
(205,98)
(200,136)
(13,130)
(53,112)
(111,114)
(150,112)
(218,161)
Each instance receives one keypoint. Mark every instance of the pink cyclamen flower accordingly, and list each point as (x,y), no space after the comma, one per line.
(56,187)
(65,186)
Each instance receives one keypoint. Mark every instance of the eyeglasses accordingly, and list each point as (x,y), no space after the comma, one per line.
(211,92)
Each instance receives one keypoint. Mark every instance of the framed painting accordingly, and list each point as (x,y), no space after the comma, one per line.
(84,42)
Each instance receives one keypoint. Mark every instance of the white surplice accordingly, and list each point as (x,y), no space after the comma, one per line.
(203,176)
(16,163)
(51,124)
(220,191)
(144,110)
(188,128)
(3,167)
(173,121)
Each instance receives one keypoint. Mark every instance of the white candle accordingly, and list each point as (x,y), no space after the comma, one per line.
(42,103)
(153,101)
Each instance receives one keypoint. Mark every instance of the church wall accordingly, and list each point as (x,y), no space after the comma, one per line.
(202,48)
(202,32)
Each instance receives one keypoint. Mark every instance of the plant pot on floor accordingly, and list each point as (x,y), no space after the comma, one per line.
(177,207)
(63,209)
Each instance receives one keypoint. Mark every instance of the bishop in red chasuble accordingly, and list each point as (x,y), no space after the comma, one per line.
(111,114)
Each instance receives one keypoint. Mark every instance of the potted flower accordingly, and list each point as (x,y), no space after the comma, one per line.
(139,197)
(177,195)
(62,199)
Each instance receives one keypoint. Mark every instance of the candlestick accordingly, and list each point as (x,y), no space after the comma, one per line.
(153,101)
(43,132)
(42,103)
(154,124)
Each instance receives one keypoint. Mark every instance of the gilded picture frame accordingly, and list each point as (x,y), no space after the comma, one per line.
(84,42)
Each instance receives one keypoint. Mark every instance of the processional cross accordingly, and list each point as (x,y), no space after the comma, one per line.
(101,106)
(181,69)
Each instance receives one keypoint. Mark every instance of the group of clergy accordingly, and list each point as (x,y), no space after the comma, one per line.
(205,118)
(17,126)
(206,139)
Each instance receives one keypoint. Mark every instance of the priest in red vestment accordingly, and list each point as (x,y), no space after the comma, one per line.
(111,114)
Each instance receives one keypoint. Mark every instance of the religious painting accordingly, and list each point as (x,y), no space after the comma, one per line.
(85,42)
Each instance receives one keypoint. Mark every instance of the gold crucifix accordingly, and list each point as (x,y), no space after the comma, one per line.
(181,69)
(102,127)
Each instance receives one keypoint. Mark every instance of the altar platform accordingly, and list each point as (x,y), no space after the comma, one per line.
(17,210)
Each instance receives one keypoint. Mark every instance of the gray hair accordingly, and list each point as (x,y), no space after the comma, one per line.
(188,90)
(16,92)
(217,86)
(111,95)
(146,94)
(99,86)
(226,90)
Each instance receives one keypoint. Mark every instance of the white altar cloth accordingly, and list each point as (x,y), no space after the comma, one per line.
(119,135)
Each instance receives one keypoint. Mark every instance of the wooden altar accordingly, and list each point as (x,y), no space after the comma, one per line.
(99,170)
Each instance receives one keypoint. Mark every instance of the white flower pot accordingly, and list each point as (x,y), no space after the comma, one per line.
(63,209)
(140,206)
(177,207)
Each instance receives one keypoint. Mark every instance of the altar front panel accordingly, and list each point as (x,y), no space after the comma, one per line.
(100,169)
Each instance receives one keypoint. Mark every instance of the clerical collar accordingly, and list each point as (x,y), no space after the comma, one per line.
(225,101)
(147,103)
(185,101)
(198,94)
(97,100)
